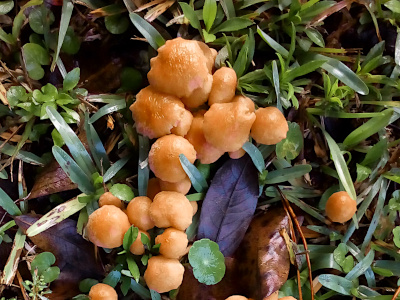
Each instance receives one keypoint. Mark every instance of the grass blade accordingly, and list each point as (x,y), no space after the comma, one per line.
(369,128)
(233,24)
(147,30)
(275,77)
(197,179)
(209,13)
(107,109)
(286,174)
(66,14)
(272,43)
(73,143)
(55,216)
(143,165)
(362,266)
(74,172)
(336,283)
(12,263)
(8,204)
(96,147)
(255,156)
(114,169)
(25,156)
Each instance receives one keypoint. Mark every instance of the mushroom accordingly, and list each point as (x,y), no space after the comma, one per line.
(164,157)
(340,207)
(171,209)
(157,114)
(138,212)
(137,247)
(109,199)
(183,68)
(101,291)
(223,87)
(173,243)
(163,274)
(106,226)
(182,186)
(270,126)
(227,125)
(153,187)
(206,152)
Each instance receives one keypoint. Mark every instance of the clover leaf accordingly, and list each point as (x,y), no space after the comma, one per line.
(207,261)
(38,16)
(6,6)
(291,146)
(16,94)
(35,56)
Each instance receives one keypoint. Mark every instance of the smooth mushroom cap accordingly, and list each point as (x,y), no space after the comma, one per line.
(288,298)
(137,247)
(163,274)
(227,126)
(173,243)
(236,297)
(101,291)
(157,114)
(171,209)
(237,154)
(195,206)
(270,126)
(206,152)
(182,186)
(109,199)
(223,87)
(181,69)
(138,212)
(340,207)
(164,157)
(106,226)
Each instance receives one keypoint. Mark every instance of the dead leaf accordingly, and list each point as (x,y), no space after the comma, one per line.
(75,256)
(259,268)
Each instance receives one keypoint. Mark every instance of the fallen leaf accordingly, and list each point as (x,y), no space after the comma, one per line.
(263,256)
(75,256)
(229,204)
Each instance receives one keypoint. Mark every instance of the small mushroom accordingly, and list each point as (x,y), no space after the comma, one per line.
(164,157)
(163,274)
(223,87)
(183,68)
(101,291)
(195,206)
(340,207)
(182,186)
(206,152)
(157,114)
(138,212)
(173,243)
(137,247)
(270,126)
(171,209)
(153,187)
(109,199)
(227,125)
(106,226)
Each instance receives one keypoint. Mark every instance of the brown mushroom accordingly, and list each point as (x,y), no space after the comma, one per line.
(171,209)
(163,274)
(223,87)
(182,186)
(106,226)
(157,114)
(270,126)
(182,69)
(227,125)
(206,152)
(164,157)
(153,187)
(138,212)
(101,291)
(109,199)
(137,247)
(173,243)
(340,207)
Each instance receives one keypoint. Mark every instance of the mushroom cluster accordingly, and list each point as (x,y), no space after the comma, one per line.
(190,109)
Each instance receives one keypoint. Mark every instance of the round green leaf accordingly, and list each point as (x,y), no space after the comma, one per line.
(16,94)
(122,191)
(51,274)
(42,262)
(207,261)
(291,146)
(6,6)
(116,24)
(71,42)
(38,16)
(86,284)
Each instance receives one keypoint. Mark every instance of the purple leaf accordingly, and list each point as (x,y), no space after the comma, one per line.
(229,204)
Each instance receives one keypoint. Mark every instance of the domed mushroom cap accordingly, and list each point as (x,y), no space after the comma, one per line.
(183,68)
(173,243)
(163,274)
(137,247)
(340,207)
(182,186)
(138,212)
(223,87)
(107,226)
(171,209)
(164,157)
(157,114)
(270,126)
(236,297)
(227,125)
(206,152)
(109,199)
(102,291)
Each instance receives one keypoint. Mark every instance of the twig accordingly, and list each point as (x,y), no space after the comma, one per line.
(396,294)
(23,290)
(294,219)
